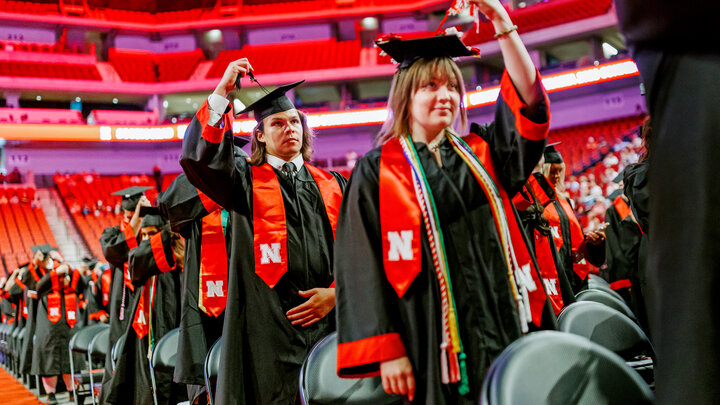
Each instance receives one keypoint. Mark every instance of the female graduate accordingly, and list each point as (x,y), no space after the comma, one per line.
(432,280)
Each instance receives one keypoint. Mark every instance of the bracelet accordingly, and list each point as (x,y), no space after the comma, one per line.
(504,33)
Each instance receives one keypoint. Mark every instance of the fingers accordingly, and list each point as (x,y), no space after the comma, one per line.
(305,306)
(410,379)
(300,314)
(308,293)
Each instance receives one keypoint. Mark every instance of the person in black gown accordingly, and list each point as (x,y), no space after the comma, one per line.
(391,305)
(155,267)
(203,224)
(282,219)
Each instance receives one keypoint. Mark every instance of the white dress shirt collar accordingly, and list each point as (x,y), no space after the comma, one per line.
(278,163)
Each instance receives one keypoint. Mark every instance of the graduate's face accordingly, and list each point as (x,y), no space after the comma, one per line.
(127,215)
(556,175)
(147,232)
(282,134)
(434,105)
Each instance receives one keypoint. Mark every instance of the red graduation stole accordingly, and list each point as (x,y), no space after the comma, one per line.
(213,265)
(269,223)
(400,222)
(53,299)
(106,279)
(147,299)
(131,241)
(576,233)
(548,271)
(23,302)
(34,273)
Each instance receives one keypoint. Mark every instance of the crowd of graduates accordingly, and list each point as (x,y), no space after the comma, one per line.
(437,253)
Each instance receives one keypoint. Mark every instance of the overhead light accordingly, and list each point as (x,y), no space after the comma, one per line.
(195,106)
(609,50)
(173,120)
(369,23)
(38,98)
(165,104)
(213,36)
(78,99)
(188,100)
(115,100)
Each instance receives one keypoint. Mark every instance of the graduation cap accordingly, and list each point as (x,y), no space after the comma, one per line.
(408,51)
(90,261)
(241,140)
(44,249)
(272,103)
(619,176)
(552,155)
(131,196)
(615,194)
(151,217)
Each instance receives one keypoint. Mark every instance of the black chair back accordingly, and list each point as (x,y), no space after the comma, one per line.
(606,327)
(560,368)
(80,341)
(99,345)
(165,351)
(608,299)
(320,384)
(212,366)
(117,350)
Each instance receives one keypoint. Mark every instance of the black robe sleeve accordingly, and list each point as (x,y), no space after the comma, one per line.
(181,204)
(516,138)
(636,189)
(208,159)
(367,334)
(114,246)
(152,257)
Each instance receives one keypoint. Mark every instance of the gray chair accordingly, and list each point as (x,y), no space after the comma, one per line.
(163,356)
(210,371)
(612,330)
(603,297)
(560,368)
(80,343)
(320,384)
(117,350)
(97,351)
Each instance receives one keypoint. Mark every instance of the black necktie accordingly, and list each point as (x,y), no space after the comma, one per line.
(289,170)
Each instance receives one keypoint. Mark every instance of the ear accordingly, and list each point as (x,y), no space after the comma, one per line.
(260,136)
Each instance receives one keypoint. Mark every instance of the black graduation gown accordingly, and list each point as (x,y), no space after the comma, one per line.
(622,241)
(182,206)
(262,351)
(50,352)
(16,296)
(368,308)
(26,351)
(116,250)
(636,188)
(131,383)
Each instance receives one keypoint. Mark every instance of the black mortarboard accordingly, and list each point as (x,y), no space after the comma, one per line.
(552,155)
(614,194)
(241,140)
(274,102)
(131,196)
(619,176)
(407,51)
(90,261)
(151,217)
(44,249)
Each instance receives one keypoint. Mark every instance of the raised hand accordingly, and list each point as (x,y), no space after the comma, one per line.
(227,83)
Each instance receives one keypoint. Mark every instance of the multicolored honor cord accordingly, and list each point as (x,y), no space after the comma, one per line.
(452,357)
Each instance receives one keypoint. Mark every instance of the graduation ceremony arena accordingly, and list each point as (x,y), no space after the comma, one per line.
(358,202)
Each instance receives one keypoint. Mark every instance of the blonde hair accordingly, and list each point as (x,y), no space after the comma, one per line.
(258,150)
(404,85)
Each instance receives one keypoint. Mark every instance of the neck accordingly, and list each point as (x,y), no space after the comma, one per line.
(287,158)
(425,135)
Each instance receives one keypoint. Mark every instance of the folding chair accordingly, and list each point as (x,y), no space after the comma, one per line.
(320,384)
(80,343)
(212,365)
(560,368)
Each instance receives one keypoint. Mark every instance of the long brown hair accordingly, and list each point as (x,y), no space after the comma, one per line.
(404,85)
(258,151)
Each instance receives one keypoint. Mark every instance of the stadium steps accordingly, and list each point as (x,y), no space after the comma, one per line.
(71,244)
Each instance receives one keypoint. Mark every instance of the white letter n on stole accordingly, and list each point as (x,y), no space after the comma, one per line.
(214,289)
(400,245)
(550,286)
(526,278)
(54,311)
(269,253)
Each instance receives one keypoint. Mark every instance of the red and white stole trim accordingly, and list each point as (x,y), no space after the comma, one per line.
(53,299)
(269,222)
